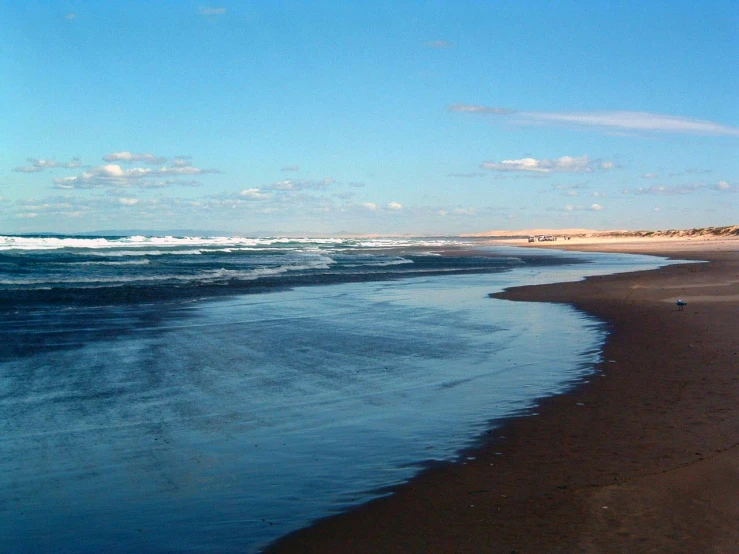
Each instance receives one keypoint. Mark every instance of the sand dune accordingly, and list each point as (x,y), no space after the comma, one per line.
(728,231)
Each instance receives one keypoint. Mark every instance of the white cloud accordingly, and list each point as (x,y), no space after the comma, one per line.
(113,175)
(70,16)
(649,176)
(524,164)
(394,206)
(254,194)
(370,206)
(622,121)
(591,208)
(290,168)
(606,165)
(724,186)
(128,157)
(565,164)
(186,170)
(128,201)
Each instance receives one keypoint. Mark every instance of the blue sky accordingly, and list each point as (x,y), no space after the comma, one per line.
(386,117)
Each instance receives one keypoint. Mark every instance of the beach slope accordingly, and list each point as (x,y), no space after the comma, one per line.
(643,458)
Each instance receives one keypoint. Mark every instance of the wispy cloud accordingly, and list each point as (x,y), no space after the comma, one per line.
(689,188)
(38,165)
(464,211)
(564,164)
(568,188)
(622,121)
(465,175)
(181,161)
(209,11)
(474,108)
(59,206)
(438,44)
(290,168)
(300,184)
(633,121)
(70,16)
(591,208)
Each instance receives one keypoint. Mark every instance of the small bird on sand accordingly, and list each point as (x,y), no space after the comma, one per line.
(681,305)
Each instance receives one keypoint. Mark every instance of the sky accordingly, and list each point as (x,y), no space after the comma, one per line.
(378,117)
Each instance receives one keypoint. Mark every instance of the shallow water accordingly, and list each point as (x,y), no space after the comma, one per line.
(220,425)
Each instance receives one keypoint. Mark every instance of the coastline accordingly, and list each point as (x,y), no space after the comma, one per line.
(644,457)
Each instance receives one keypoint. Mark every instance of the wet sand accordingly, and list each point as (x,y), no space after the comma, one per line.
(643,458)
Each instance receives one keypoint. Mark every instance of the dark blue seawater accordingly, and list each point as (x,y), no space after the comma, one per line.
(211,394)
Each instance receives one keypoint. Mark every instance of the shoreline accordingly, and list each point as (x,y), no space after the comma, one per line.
(643,457)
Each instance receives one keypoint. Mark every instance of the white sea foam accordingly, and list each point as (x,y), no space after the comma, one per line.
(320,262)
(135,242)
(126,263)
(396,243)
(116,253)
(378,262)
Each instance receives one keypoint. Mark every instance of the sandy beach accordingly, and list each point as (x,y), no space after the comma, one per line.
(642,458)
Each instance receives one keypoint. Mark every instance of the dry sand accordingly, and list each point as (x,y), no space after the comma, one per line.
(644,458)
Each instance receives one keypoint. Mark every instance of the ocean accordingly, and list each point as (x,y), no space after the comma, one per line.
(211,394)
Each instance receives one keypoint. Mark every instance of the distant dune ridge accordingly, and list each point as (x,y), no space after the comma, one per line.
(729,231)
